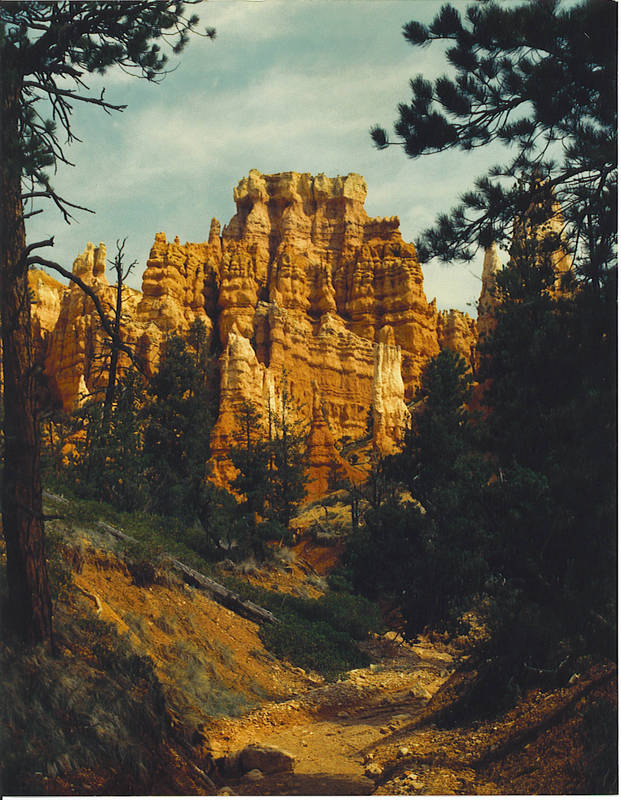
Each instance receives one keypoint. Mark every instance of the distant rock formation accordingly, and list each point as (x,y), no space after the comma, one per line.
(488,300)
(301,290)
(76,350)
(457,331)
(538,237)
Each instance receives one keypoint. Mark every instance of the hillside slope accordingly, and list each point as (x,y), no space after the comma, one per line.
(156,686)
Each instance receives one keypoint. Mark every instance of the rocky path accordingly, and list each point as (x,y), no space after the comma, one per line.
(331,729)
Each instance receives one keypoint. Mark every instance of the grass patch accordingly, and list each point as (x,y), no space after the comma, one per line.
(165,624)
(195,687)
(96,709)
(320,635)
(155,535)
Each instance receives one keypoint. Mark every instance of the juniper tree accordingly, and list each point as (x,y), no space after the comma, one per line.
(47,50)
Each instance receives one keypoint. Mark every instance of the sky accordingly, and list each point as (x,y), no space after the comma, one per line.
(287,85)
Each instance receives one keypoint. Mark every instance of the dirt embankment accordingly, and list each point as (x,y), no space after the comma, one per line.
(377,730)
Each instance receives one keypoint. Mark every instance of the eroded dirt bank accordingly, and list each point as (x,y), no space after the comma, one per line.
(380,729)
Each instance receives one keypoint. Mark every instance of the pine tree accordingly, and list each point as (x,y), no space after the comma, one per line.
(108,461)
(539,78)
(178,424)
(122,273)
(428,553)
(252,460)
(46,51)
(550,369)
(287,463)
(271,471)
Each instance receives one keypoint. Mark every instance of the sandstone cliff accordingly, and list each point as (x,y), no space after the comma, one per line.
(301,290)
(76,346)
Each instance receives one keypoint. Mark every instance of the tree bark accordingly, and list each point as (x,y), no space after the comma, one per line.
(114,346)
(29,604)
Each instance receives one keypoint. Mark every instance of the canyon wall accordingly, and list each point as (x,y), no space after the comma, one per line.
(303,294)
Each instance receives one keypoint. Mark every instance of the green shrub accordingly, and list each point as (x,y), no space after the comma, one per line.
(320,634)
(313,645)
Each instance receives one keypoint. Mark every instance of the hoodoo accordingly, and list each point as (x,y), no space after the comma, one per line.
(302,289)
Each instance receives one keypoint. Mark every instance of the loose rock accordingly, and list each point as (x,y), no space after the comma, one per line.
(373,770)
(266,758)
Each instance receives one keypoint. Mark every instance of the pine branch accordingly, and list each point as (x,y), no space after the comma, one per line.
(54,90)
(59,201)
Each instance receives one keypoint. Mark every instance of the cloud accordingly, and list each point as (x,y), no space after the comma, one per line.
(285,86)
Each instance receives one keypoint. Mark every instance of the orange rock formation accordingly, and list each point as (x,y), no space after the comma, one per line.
(302,290)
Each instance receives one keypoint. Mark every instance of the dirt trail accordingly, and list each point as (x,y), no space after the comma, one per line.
(354,736)
(330,730)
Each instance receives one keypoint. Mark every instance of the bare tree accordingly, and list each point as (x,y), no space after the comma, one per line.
(116,342)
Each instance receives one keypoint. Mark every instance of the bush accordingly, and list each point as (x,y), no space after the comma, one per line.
(313,645)
(320,634)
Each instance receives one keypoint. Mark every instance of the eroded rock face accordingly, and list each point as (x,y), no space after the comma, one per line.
(332,301)
(488,300)
(47,294)
(457,331)
(301,291)
(76,346)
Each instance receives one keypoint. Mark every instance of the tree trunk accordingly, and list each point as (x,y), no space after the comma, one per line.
(114,347)
(29,604)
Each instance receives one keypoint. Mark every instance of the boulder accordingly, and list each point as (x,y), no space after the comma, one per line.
(266,758)
(254,775)
(373,770)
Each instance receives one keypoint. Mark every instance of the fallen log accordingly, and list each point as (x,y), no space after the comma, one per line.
(55,498)
(222,595)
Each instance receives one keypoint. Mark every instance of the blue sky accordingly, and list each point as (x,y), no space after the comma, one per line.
(286,85)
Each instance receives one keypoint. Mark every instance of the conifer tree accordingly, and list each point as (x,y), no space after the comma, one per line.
(122,273)
(47,51)
(541,79)
(178,425)
(287,463)
(252,460)
(108,462)
(271,471)
(428,552)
